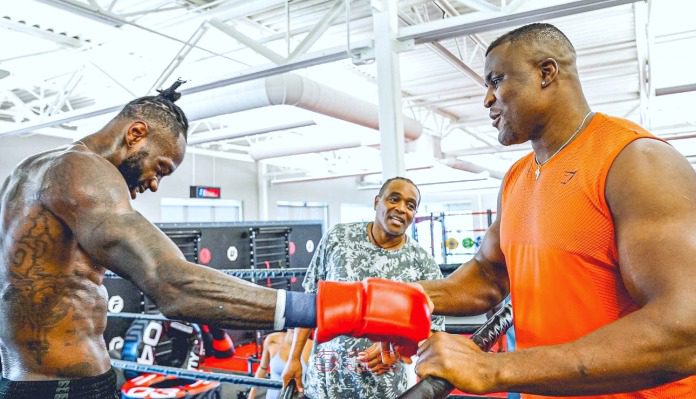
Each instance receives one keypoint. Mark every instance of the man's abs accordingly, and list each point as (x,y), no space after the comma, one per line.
(53,307)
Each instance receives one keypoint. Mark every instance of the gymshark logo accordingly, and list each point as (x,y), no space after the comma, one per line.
(568,175)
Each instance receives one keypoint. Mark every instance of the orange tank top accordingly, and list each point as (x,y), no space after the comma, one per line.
(557,235)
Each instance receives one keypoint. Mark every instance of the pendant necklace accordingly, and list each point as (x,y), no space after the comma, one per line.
(537,173)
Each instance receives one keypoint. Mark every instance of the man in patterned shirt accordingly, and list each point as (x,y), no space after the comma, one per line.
(343,368)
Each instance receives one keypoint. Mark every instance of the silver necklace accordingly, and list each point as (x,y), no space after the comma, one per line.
(537,173)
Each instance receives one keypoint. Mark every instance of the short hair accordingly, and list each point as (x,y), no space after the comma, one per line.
(388,182)
(537,32)
(160,109)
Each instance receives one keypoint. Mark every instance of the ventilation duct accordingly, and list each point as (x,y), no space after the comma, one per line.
(473,168)
(289,89)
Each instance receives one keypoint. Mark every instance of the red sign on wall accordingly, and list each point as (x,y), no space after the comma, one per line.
(205,192)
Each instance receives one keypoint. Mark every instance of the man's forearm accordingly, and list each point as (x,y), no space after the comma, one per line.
(201,294)
(466,292)
(639,351)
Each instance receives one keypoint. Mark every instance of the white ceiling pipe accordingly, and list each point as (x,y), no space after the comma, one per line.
(225,100)
(292,89)
(227,134)
(473,168)
(296,147)
(288,89)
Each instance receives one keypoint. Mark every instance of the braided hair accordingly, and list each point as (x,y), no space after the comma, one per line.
(160,110)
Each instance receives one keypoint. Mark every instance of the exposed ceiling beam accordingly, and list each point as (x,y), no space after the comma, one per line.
(117,21)
(479,5)
(95,13)
(341,175)
(456,62)
(447,28)
(463,26)
(219,154)
(664,91)
(43,33)
(317,30)
(226,134)
(447,55)
(318,58)
(247,41)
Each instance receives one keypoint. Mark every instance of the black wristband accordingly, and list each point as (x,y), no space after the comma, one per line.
(300,310)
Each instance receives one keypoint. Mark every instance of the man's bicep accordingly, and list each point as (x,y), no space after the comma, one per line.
(651,191)
(488,264)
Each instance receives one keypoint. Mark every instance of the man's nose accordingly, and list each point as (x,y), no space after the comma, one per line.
(401,207)
(489,98)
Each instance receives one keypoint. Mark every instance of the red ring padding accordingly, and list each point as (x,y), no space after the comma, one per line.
(150,386)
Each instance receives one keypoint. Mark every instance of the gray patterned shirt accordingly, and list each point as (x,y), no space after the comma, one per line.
(346,254)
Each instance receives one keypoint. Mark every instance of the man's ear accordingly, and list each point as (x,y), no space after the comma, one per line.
(549,71)
(137,131)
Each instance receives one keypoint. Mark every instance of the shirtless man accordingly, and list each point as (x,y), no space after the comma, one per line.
(65,217)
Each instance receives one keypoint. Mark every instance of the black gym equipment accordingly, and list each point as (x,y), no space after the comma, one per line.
(167,343)
(484,337)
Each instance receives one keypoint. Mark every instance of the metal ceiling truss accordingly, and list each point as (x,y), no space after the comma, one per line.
(462,25)
(644,44)
(424,33)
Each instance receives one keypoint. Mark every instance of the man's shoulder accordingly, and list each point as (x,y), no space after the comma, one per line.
(74,178)
(617,124)
(346,229)
(70,156)
(84,166)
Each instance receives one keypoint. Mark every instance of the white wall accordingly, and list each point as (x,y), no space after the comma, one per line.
(13,149)
(236,179)
(333,192)
(337,191)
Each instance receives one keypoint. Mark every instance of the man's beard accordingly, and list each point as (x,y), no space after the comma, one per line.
(131,168)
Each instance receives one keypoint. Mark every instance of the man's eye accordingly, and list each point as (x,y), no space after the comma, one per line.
(496,81)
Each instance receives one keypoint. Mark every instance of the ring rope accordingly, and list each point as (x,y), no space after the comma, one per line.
(141,316)
(248,273)
(196,375)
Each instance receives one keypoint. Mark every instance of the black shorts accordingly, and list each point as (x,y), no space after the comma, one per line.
(99,387)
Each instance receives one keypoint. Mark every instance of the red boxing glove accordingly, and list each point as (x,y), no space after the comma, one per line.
(376,308)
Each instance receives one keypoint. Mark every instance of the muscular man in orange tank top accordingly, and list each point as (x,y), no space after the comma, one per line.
(595,240)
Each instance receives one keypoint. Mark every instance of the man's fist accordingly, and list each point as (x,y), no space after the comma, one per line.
(375,308)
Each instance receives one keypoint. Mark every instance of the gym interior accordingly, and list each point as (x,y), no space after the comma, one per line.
(298,111)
